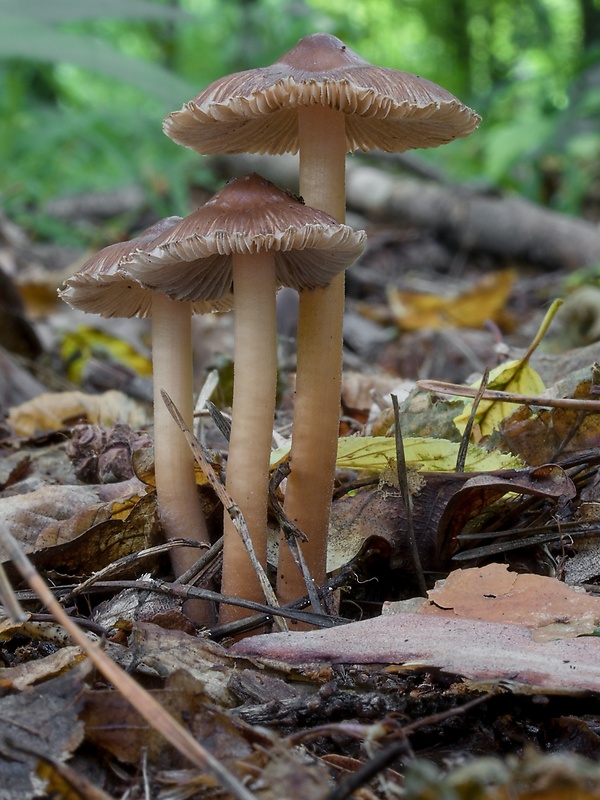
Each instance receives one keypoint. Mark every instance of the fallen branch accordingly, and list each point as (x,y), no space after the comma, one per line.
(506,227)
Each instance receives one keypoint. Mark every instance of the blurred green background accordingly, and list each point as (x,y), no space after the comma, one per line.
(84,85)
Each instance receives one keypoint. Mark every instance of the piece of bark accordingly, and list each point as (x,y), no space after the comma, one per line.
(505,227)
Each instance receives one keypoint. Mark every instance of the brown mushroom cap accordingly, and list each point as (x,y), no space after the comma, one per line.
(249,215)
(103,287)
(254,111)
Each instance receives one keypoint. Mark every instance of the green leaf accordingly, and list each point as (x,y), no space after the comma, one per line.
(55,11)
(376,453)
(20,39)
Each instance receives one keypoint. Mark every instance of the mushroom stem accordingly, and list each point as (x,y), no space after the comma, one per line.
(178,502)
(254,388)
(322,138)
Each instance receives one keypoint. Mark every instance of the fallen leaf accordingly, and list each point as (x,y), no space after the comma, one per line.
(486,652)
(484,301)
(442,506)
(167,652)
(40,721)
(78,346)
(79,528)
(494,594)
(537,435)
(516,377)
(52,411)
(376,453)
(41,669)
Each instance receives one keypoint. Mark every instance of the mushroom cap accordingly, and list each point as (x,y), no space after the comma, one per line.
(103,287)
(249,215)
(254,111)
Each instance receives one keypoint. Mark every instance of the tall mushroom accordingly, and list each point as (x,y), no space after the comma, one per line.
(324,100)
(251,238)
(103,287)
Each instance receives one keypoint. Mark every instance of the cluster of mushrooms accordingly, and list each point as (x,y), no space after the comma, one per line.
(236,251)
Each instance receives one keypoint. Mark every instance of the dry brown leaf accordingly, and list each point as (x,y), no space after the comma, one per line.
(486,300)
(41,669)
(53,515)
(43,721)
(443,505)
(537,435)
(494,594)
(168,651)
(55,410)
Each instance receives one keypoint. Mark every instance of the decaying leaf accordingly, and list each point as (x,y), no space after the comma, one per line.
(86,342)
(43,512)
(36,721)
(54,410)
(227,738)
(170,651)
(486,652)
(376,453)
(442,507)
(541,434)
(32,672)
(494,594)
(486,300)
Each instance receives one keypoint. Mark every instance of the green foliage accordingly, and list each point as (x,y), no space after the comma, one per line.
(84,85)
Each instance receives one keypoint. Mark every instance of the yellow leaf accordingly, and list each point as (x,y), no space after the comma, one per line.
(516,377)
(486,300)
(375,453)
(54,410)
(80,345)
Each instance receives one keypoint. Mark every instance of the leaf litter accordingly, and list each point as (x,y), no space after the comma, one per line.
(493,663)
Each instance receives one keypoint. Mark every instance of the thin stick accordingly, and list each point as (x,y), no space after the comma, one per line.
(9,600)
(407,500)
(464,442)
(292,534)
(229,505)
(440,387)
(145,704)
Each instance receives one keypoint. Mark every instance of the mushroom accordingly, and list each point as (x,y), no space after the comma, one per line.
(324,100)
(103,287)
(251,238)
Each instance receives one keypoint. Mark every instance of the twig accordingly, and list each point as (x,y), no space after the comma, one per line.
(144,703)
(292,533)
(464,442)
(193,593)
(127,561)
(407,500)
(440,387)
(229,504)
(9,600)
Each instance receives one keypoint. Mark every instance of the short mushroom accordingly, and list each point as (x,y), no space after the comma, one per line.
(324,100)
(102,287)
(251,238)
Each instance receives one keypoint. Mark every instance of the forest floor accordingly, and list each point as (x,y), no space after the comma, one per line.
(489,687)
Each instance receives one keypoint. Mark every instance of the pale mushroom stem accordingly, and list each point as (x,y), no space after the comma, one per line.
(254,388)
(179,506)
(322,137)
